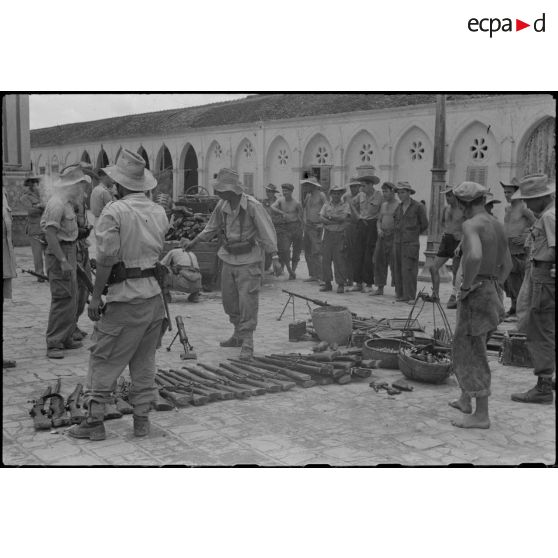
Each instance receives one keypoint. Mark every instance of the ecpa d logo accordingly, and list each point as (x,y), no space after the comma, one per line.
(493,25)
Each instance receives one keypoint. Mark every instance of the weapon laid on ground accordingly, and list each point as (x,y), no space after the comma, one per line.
(171,385)
(57,408)
(41,420)
(73,405)
(308,300)
(266,375)
(234,380)
(177,399)
(304,380)
(214,381)
(188,353)
(162,404)
(34,273)
(321,369)
(208,371)
(200,385)
(251,379)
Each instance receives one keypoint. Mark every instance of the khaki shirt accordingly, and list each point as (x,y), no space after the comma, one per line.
(368,206)
(131,230)
(100,196)
(543,235)
(256,225)
(60,214)
(330,210)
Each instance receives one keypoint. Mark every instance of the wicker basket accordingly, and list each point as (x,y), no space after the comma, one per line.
(428,373)
(372,350)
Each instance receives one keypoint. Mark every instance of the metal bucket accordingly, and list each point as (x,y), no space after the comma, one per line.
(333,324)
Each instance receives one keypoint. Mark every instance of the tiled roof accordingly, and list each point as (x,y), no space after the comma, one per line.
(250,109)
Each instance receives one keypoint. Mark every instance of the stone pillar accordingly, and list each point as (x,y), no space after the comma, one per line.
(437,201)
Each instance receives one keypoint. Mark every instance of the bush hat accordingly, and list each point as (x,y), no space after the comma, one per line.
(389,186)
(272,188)
(490,198)
(338,189)
(71,175)
(130,172)
(353,182)
(534,186)
(513,184)
(469,191)
(367,173)
(228,181)
(312,182)
(405,186)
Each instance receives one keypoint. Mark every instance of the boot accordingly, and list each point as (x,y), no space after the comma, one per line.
(452,302)
(541,393)
(247,351)
(141,426)
(93,427)
(357,288)
(112,412)
(234,341)
(327,287)
(141,419)
(378,292)
(71,344)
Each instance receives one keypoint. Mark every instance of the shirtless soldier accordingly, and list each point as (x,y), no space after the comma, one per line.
(517,221)
(289,231)
(452,220)
(486,262)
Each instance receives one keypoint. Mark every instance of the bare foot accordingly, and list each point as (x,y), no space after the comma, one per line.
(463,406)
(472,421)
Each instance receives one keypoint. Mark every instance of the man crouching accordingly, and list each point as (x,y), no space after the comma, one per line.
(248,232)
(130,232)
(486,263)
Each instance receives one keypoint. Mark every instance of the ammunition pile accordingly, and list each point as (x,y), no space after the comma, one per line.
(184,224)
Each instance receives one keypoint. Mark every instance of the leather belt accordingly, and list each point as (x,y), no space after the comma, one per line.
(66,242)
(138,273)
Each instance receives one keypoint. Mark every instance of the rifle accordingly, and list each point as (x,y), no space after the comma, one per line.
(161,273)
(171,385)
(162,404)
(283,381)
(234,381)
(73,405)
(34,273)
(41,421)
(224,384)
(57,409)
(304,380)
(251,379)
(315,301)
(201,383)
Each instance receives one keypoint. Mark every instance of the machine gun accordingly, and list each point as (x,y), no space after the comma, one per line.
(188,353)
(291,300)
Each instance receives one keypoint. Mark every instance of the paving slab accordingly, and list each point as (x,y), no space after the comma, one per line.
(349,425)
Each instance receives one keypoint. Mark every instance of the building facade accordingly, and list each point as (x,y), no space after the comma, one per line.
(490,138)
(16,158)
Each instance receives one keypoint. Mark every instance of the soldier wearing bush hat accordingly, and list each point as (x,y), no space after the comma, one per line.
(314,199)
(248,234)
(539,288)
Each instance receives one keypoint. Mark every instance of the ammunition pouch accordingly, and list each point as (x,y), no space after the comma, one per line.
(239,248)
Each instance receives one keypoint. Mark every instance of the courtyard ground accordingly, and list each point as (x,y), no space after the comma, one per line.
(348,425)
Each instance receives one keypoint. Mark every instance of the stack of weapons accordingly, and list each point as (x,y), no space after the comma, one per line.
(185,224)
(198,383)
(52,410)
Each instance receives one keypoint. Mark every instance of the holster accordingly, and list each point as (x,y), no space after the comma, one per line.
(240,247)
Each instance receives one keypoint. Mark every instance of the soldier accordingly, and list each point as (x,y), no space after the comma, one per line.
(367,204)
(61,230)
(312,205)
(289,230)
(409,222)
(334,215)
(248,233)
(351,230)
(517,221)
(383,255)
(485,264)
(452,220)
(8,260)
(271,193)
(130,233)
(31,200)
(539,195)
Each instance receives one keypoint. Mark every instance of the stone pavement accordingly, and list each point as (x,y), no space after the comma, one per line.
(349,425)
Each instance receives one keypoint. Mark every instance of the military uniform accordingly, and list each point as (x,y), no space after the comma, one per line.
(60,215)
(31,200)
(241,275)
(334,243)
(313,231)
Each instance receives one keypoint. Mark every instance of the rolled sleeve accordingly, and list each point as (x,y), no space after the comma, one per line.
(549,224)
(107,235)
(53,215)
(266,230)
